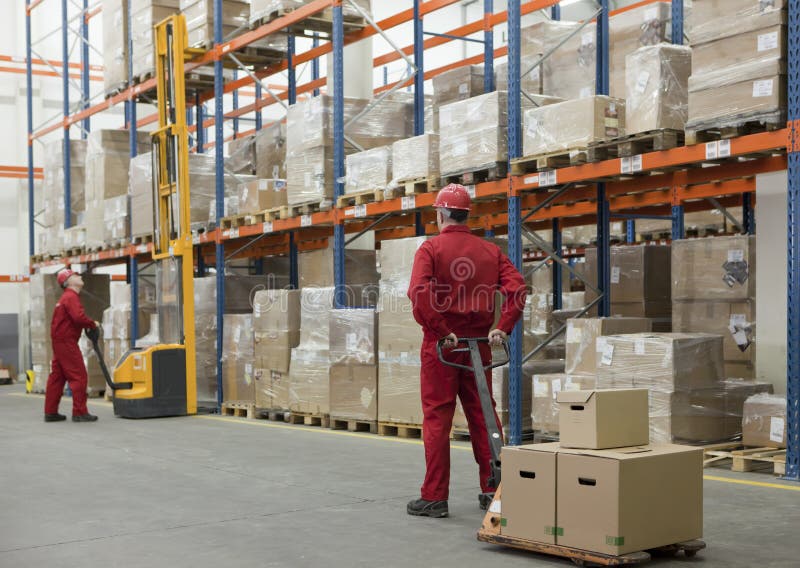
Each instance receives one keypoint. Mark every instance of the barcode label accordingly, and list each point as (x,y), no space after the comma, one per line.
(360,211)
(408,202)
(266,227)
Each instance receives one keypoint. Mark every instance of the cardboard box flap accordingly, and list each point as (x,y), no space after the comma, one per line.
(577,397)
(632,452)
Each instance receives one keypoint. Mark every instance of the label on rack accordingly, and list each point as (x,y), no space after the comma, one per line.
(636,163)
(530,180)
(638,347)
(360,211)
(305,220)
(711,151)
(641,82)
(615,274)
(471,191)
(548,178)
(776,426)
(762,88)
(768,41)
(608,355)
(496,507)
(408,202)
(234,233)
(724,148)
(266,227)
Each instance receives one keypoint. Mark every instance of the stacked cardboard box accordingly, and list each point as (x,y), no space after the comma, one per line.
(764,421)
(369,170)
(266,10)
(237,358)
(540,320)
(309,140)
(573,124)
(144,15)
(309,386)
(261,194)
(738,63)
(315,269)
(531,82)
(117,319)
(639,285)
(354,365)
(458,85)
(276,325)
(52,240)
(416,158)
(115,44)
(262,154)
(235,17)
(713,288)
(656,88)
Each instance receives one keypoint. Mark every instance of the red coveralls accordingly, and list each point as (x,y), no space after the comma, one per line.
(452,290)
(69,320)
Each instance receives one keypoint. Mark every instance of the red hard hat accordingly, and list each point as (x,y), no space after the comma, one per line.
(453,196)
(63,276)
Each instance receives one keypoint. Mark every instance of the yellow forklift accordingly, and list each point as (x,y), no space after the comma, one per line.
(161,380)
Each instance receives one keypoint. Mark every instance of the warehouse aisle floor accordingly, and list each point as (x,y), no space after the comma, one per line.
(212,491)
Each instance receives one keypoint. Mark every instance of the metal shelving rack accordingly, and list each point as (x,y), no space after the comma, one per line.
(520,203)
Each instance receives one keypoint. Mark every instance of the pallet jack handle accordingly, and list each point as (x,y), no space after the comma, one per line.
(94,336)
(478,369)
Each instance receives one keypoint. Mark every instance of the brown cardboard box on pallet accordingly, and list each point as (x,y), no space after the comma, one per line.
(764,421)
(546,387)
(416,158)
(600,419)
(714,268)
(704,11)
(354,392)
(582,334)
(315,268)
(261,194)
(238,358)
(271,388)
(458,84)
(276,310)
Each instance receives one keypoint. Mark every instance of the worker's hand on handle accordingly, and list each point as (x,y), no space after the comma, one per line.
(497,337)
(97,324)
(449,341)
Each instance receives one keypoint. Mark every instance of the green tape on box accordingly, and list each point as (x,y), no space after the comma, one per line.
(615,540)
(554,531)
(503,521)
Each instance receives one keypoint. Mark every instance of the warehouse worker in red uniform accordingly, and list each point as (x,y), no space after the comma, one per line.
(69,320)
(452,290)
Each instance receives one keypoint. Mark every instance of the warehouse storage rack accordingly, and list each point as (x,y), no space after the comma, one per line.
(520,204)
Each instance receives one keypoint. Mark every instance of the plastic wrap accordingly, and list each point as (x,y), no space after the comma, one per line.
(140,178)
(545,389)
(368,170)
(115,44)
(115,219)
(53,188)
(715,19)
(656,88)
(398,387)
(530,84)
(75,237)
(415,158)
(581,339)
(458,85)
(353,337)
(272,389)
(315,268)
(270,151)
(309,382)
(354,392)
(569,72)
(397,260)
(764,421)
(146,14)
(276,324)
(235,17)
(715,268)
(309,140)
(261,10)
(237,358)
(572,124)
(242,155)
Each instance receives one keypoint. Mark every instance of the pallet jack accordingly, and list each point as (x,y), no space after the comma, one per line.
(161,380)
(491,527)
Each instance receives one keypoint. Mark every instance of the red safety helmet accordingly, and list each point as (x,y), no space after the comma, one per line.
(63,276)
(453,196)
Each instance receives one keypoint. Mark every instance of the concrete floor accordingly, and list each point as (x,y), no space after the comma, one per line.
(211,491)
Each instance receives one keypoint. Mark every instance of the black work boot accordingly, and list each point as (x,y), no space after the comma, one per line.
(485,499)
(423,508)
(84,418)
(54,417)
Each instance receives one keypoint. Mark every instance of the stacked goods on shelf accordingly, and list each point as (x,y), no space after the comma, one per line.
(265,10)
(235,17)
(262,154)
(541,321)
(764,421)
(108,157)
(713,291)
(261,194)
(309,141)
(237,358)
(431,113)
(656,88)
(530,82)
(568,73)
(202,188)
(309,383)
(144,15)
(457,84)
(639,285)
(52,238)
(368,170)
(696,223)
(115,45)
(45,294)
(117,319)
(399,336)
(354,365)
(415,158)
(738,63)
(276,329)
(572,124)
(315,269)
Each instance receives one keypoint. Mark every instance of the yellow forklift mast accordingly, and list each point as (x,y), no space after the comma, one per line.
(162,379)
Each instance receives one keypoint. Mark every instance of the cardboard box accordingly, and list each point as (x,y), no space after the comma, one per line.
(352,337)
(718,318)
(546,387)
(754,39)
(714,268)
(458,84)
(582,334)
(316,267)
(629,499)
(238,384)
(603,418)
(529,492)
(368,170)
(416,158)
(711,12)
(572,124)
(276,310)
(764,421)
(272,389)
(261,194)
(309,382)
(398,389)
(354,392)
(637,273)
(274,348)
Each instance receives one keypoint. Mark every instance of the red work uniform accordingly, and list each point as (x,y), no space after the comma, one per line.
(69,320)
(452,290)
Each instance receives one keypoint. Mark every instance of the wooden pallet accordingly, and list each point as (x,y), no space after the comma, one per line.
(354,425)
(290,211)
(491,528)
(234,221)
(74,251)
(116,89)
(400,430)
(745,458)
(749,125)
(142,240)
(275,415)
(319,22)
(415,186)
(553,160)
(360,198)
(309,419)
(496,171)
(627,146)
(239,409)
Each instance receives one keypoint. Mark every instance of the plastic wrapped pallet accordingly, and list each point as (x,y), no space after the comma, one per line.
(458,85)
(315,268)
(353,337)
(270,151)
(235,16)
(398,387)
(54,182)
(354,392)
(242,155)
(261,194)
(265,10)
(656,88)
(309,388)
(714,269)
(581,339)
(764,421)
(146,14)
(276,325)
(368,170)
(115,219)
(415,158)
(309,140)
(704,12)
(572,124)
(237,358)
(115,44)
(530,84)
